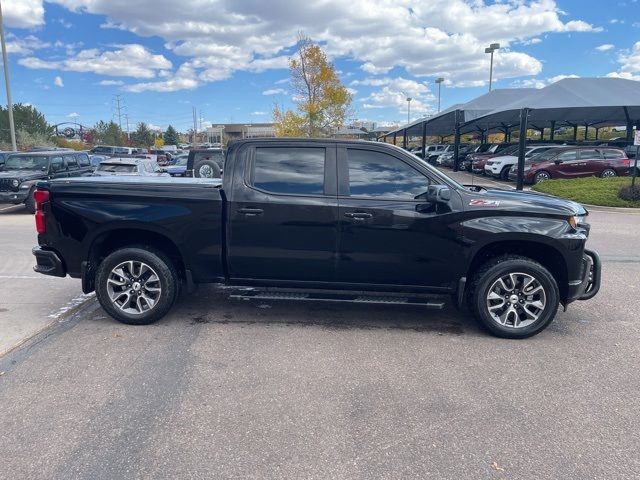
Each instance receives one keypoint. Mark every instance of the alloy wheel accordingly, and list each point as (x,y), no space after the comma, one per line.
(516,300)
(205,171)
(134,287)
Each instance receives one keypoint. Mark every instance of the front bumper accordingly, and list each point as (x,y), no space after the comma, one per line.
(13,197)
(588,286)
(48,263)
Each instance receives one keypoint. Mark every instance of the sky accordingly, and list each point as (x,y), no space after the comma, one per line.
(76,60)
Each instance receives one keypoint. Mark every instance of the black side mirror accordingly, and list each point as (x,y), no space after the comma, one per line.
(558,162)
(436,194)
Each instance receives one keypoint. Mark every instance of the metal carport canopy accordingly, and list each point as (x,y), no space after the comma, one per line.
(444,122)
(573,101)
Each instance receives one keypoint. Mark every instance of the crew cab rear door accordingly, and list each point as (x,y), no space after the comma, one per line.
(387,236)
(283,211)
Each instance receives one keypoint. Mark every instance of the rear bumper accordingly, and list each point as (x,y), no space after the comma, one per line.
(48,263)
(588,286)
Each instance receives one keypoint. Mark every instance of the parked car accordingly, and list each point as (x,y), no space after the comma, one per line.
(446,159)
(129,166)
(179,168)
(480,149)
(112,151)
(22,170)
(96,159)
(434,157)
(274,221)
(574,162)
(207,163)
(479,159)
(499,166)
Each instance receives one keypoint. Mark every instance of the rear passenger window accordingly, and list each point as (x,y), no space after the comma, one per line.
(589,154)
(289,170)
(613,154)
(378,175)
(72,163)
(83,160)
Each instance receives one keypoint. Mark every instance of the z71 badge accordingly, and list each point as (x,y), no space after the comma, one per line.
(479,202)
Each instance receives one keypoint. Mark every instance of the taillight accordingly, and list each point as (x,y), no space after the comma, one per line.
(626,162)
(40,197)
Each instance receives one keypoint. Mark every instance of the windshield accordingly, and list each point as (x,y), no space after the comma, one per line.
(182,161)
(116,168)
(26,162)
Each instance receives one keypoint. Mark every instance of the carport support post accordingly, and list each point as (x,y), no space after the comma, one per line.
(456,141)
(586,132)
(597,131)
(575,133)
(552,133)
(424,140)
(394,137)
(524,116)
(404,139)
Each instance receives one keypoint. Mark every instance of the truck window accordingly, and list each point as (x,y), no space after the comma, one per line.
(298,171)
(83,160)
(72,163)
(378,175)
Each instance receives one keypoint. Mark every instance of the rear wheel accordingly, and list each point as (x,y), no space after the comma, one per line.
(608,173)
(137,286)
(207,169)
(30,202)
(541,176)
(514,297)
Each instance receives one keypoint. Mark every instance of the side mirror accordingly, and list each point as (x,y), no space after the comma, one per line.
(436,194)
(558,162)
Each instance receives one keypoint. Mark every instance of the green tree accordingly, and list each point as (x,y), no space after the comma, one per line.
(142,137)
(109,133)
(323,101)
(171,136)
(27,120)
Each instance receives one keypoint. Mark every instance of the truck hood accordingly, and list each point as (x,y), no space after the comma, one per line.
(22,175)
(525,202)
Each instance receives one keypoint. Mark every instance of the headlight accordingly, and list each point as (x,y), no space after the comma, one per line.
(15,183)
(576,220)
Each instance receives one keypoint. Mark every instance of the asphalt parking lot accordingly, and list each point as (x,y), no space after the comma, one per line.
(225,388)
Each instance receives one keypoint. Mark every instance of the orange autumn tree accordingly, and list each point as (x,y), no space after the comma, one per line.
(322,101)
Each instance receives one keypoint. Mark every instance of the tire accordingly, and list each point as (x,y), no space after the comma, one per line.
(510,313)
(207,169)
(608,173)
(112,295)
(30,202)
(504,174)
(541,176)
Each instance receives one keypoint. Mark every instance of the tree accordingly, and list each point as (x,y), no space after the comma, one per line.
(288,123)
(323,100)
(109,133)
(27,120)
(171,136)
(142,137)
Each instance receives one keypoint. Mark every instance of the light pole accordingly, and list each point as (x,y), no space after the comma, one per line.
(12,127)
(439,82)
(490,49)
(409,109)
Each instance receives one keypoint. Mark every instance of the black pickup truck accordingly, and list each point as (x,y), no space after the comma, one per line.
(319,219)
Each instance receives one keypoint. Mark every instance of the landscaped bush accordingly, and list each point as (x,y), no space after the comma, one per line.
(590,190)
(630,193)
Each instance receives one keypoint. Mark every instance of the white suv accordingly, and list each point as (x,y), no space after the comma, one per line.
(499,166)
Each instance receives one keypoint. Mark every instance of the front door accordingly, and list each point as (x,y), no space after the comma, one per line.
(283,213)
(387,236)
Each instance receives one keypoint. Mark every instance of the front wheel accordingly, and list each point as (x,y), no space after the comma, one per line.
(504,174)
(137,286)
(514,297)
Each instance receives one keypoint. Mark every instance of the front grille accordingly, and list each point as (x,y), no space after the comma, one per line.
(5,185)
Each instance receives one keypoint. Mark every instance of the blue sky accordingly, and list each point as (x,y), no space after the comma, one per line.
(71,58)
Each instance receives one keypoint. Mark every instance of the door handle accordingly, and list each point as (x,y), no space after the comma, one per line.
(250,212)
(358,215)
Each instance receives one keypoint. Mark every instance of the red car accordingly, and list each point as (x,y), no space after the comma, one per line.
(574,162)
(479,160)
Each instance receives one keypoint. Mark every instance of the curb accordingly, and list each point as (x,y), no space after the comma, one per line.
(56,320)
(602,208)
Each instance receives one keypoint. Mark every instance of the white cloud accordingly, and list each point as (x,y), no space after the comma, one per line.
(275,91)
(541,82)
(73,115)
(129,61)
(604,47)
(24,45)
(258,114)
(58,82)
(23,13)
(183,79)
(629,63)
(394,94)
(426,38)
(107,83)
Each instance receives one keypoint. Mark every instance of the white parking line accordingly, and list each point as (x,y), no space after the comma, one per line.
(9,207)
(19,277)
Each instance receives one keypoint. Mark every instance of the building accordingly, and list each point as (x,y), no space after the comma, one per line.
(223,133)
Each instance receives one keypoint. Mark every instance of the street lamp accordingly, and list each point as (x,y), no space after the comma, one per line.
(12,128)
(490,49)
(409,109)
(439,82)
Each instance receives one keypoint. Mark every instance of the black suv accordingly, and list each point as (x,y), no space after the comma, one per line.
(22,170)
